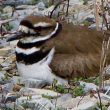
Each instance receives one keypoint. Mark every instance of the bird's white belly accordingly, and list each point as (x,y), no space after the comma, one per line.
(39,71)
(36,70)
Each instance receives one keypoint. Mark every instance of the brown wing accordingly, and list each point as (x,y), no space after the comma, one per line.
(78,51)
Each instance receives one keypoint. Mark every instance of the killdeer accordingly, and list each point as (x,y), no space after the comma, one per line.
(32,59)
(51,50)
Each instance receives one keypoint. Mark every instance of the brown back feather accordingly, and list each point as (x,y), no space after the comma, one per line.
(78,51)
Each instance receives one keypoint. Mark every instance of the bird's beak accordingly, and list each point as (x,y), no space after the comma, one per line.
(14,37)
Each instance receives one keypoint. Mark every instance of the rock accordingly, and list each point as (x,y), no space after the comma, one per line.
(17,80)
(106,71)
(17,87)
(34,91)
(105,99)
(5,64)
(1,60)
(3,42)
(91,20)
(74,102)
(8,9)
(30,82)
(7,87)
(34,83)
(88,86)
(35,101)
(107,82)
(10,106)
(48,2)
(47,10)
(11,97)
(108,108)
(5,51)
(12,58)
(41,6)
(64,98)
(86,106)
(1,76)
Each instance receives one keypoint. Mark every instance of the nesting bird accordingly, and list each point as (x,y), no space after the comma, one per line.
(49,50)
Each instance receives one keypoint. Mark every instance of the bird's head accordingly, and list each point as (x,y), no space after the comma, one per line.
(35,28)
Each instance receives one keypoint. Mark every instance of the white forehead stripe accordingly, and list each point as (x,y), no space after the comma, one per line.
(23,29)
(40,38)
(26,29)
(27,51)
(42,24)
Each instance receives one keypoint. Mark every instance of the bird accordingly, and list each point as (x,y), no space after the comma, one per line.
(51,50)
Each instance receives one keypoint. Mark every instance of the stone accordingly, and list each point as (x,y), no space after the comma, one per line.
(3,42)
(8,9)
(74,102)
(10,106)
(17,87)
(105,99)
(1,76)
(11,97)
(35,91)
(7,87)
(5,51)
(86,106)
(64,97)
(41,6)
(1,60)
(17,80)
(88,86)
(34,83)
(35,101)
(107,82)
(108,108)
(30,82)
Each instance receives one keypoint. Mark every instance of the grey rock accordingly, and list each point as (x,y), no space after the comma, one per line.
(1,76)
(64,98)
(36,101)
(108,108)
(7,87)
(75,102)
(5,51)
(5,64)
(17,80)
(3,43)
(35,83)
(34,91)
(8,9)
(88,86)
(41,6)
(86,106)
(30,82)
(10,106)
(11,97)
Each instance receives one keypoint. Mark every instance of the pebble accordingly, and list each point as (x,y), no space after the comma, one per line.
(36,91)
(5,51)
(8,9)
(41,6)
(1,76)
(34,83)
(37,101)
